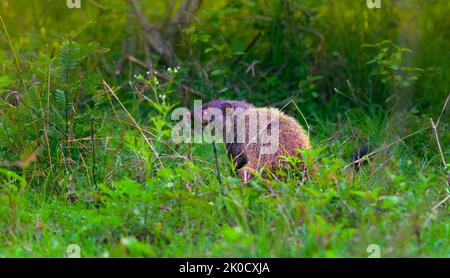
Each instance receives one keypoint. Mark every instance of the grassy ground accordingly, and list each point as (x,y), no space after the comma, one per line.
(87,163)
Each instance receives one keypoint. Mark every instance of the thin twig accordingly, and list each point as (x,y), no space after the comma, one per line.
(303,116)
(16,56)
(247,49)
(385,147)
(442,111)
(134,122)
(441,202)
(434,128)
(217,164)
(47,111)
(94,179)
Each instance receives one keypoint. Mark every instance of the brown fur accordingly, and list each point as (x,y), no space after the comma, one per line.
(292,138)
(247,157)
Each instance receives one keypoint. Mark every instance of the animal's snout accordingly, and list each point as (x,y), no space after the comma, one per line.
(187,116)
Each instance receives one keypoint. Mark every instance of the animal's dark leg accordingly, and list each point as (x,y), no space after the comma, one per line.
(245,173)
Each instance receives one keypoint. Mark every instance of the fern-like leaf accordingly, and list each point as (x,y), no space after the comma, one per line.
(70,55)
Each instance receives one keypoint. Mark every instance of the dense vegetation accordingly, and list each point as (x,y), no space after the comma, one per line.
(86,156)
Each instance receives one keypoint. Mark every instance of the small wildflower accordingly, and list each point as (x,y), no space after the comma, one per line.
(169,185)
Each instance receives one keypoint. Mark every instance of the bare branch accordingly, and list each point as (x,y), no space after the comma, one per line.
(153,35)
(184,15)
(434,128)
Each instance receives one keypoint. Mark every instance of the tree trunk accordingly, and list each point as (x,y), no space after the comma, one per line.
(162,41)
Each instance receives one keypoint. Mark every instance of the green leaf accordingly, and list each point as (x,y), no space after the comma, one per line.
(69,55)
(388,202)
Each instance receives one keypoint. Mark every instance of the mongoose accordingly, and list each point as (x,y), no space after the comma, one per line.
(257,138)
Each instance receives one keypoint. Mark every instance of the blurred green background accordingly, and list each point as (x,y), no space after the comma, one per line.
(79,88)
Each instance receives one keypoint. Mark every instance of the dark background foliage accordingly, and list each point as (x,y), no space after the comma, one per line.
(85,150)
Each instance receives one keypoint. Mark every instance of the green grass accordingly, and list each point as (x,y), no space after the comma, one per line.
(176,214)
(75,167)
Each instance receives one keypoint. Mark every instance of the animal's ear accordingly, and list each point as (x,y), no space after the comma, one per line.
(205,116)
(226,105)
